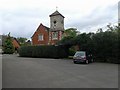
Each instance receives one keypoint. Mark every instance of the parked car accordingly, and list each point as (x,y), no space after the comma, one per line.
(82,57)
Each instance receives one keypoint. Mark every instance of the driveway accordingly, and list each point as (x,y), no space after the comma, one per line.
(21,72)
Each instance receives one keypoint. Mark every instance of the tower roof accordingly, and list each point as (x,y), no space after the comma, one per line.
(56,13)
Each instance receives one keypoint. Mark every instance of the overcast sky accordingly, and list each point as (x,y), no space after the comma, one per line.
(22,17)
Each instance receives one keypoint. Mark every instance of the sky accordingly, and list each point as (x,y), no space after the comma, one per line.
(22,17)
(119,12)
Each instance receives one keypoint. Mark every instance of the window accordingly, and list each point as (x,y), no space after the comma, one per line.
(55,35)
(55,22)
(40,37)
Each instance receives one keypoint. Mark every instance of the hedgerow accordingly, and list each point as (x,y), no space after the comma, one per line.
(46,51)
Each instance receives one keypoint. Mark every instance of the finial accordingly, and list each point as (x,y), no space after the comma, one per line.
(56,8)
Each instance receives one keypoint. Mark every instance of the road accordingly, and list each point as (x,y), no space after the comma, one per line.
(56,73)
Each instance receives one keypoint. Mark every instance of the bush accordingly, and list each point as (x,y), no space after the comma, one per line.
(43,51)
(71,52)
(8,47)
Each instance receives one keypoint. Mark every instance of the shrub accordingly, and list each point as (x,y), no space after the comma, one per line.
(43,51)
(71,52)
(25,51)
(8,47)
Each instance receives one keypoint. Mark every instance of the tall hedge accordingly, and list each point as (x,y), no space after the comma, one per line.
(46,51)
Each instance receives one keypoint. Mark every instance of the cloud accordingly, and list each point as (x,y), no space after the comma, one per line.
(22,17)
(119,11)
(98,18)
(22,22)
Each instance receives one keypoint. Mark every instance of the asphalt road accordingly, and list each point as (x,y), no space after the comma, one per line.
(56,73)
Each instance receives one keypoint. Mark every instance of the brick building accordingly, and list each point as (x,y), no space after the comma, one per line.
(15,43)
(49,36)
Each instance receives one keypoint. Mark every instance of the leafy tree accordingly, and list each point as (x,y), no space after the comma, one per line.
(8,47)
(68,40)
(22,40)
(99,30)
(72,32)
(85,42)
(104,45)
(69,36)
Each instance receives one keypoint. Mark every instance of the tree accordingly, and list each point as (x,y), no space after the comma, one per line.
(72,32)
(22,40)
(106,44)
(8,47)
(69,36)
(68,40)
(85,41)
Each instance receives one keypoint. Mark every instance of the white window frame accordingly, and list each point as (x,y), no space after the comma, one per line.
(40,37)
(54,35)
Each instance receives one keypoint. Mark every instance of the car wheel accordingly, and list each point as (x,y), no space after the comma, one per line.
(87,62)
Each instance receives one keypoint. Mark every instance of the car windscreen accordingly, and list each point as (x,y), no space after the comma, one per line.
(80,54)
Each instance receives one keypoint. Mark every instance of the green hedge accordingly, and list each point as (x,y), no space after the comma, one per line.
(50,51)
(71,52)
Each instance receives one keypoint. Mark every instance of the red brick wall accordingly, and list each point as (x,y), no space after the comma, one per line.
(41,30)
(52,42)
